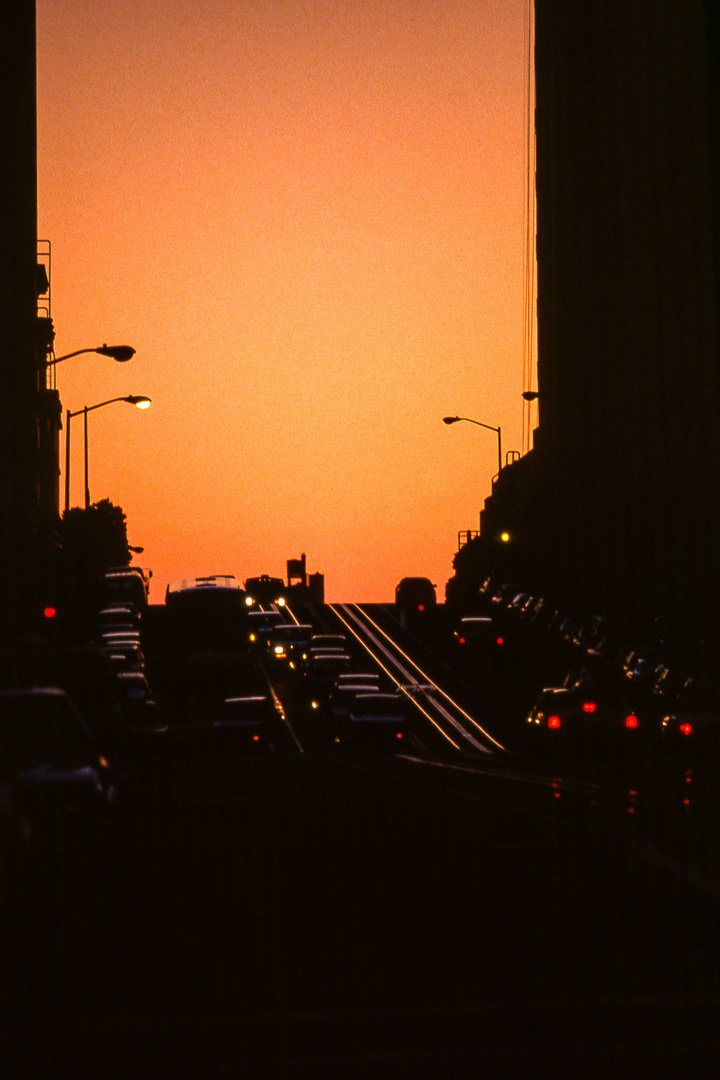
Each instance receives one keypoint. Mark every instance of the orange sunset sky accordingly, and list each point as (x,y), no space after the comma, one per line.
(307,216)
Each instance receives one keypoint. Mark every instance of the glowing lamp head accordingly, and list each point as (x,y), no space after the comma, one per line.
(505,537)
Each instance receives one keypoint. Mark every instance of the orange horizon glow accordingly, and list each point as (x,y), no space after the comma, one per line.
(308,221)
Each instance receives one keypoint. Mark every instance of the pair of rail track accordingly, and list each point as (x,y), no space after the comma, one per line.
(450,725)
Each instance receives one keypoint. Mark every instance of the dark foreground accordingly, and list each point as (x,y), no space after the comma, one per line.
(325,915)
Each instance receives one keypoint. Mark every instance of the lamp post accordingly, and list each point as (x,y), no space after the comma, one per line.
(140,402)
(455,419)
(121,353)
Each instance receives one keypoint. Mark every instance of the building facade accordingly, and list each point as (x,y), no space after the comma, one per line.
(616,508)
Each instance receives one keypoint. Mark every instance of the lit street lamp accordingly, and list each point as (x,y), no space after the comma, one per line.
(455,419)
(121,353)
(140,402)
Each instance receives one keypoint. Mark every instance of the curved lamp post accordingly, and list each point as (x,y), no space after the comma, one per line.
(455,419)
(121,353)
(140,402)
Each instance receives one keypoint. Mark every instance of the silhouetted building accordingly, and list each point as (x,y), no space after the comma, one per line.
(616,507)
(309,587)
(29,411)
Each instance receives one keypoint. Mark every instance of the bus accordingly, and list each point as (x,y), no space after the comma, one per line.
(207,612)
(212,670)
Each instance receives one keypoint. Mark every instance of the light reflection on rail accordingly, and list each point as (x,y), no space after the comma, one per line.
(418,684)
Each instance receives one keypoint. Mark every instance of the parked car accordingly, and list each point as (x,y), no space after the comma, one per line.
(119,617)
(541,613)
(127,583)
(478,632)
(692,731)
(46,746)
(641,672)
(143,714)
(517,604)
(89,678)
(126,657)
(504,595)
(112,638)
(582,712)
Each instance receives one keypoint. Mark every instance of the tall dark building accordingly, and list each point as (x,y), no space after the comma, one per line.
(616,508)
(29,411)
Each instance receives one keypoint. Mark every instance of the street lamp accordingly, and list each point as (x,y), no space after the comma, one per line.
(121,353)
(140,402)
(455,419)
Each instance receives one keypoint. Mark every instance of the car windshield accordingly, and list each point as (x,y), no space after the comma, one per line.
(378,705)
(292,633)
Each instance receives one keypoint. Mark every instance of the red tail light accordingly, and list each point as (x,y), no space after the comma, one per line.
(499,641)
(399,734)
(686,728)
(631,721)
(589,706)
(421,607)
(461,640)
(554,721)
(50,612)
(256,738)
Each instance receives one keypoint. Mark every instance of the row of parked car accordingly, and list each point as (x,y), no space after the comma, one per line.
(69,716)
(119,635)
(610,686)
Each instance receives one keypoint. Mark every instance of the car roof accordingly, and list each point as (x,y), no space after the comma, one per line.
(35,691)
(379,695)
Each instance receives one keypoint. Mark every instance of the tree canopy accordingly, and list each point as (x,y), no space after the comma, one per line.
(94,538)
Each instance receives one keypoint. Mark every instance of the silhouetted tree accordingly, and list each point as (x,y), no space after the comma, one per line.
(89,540)
(470,563)
(480,558)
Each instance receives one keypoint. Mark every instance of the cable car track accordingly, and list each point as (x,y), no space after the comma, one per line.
(455,727)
